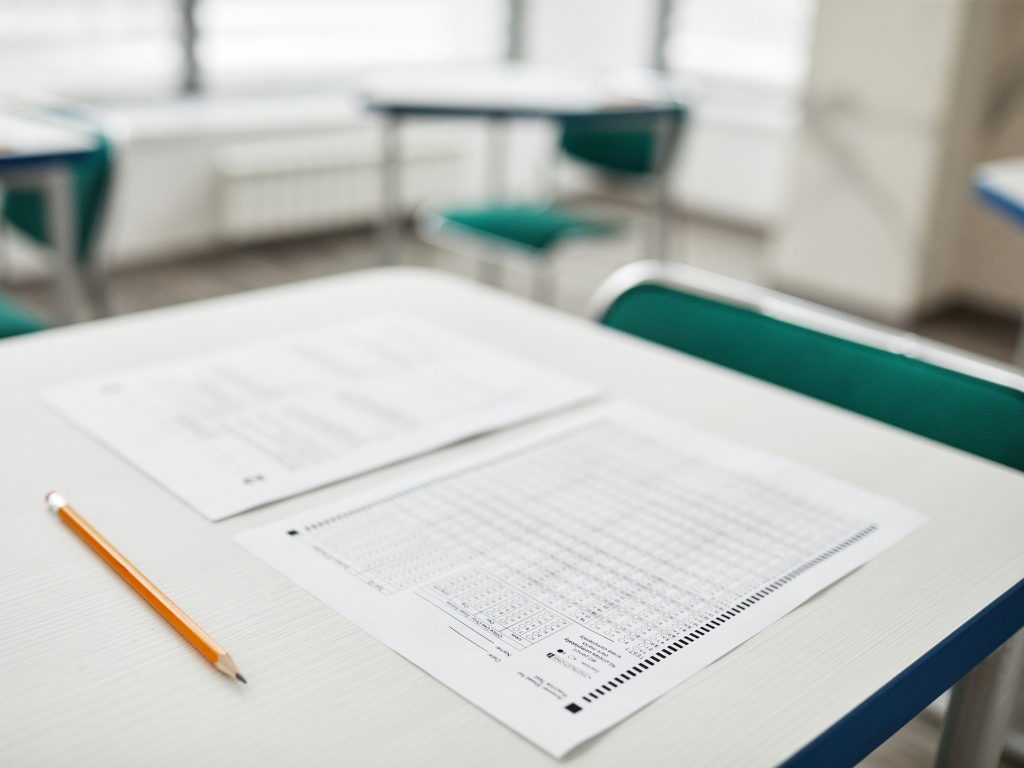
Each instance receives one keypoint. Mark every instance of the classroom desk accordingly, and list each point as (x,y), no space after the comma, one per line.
(92,676)
(500,93)
(1000,185)
(39,155)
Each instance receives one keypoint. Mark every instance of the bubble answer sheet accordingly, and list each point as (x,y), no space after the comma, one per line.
(568,579)
(249,425)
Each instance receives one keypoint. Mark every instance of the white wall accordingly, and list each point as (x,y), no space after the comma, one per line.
(166,202)
(883,220)
(734,163)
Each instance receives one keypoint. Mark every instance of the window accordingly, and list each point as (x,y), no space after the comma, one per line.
(90,48)
(763,42)
(259,43)
(117,48)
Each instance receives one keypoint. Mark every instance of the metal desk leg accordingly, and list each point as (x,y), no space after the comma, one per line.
(391,191)
(545,285)
(497,158)
(1018,352)
(495,180)
(658,244)
(979,712)
(61,209)
(658,248)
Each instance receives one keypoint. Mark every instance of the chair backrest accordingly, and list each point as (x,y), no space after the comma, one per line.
(14,321)
(925,388)
(629,144)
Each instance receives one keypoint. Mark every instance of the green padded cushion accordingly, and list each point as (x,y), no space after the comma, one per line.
(26,208)
(971,414)
(618,143)
(621,151)
(532,227)
(14,321)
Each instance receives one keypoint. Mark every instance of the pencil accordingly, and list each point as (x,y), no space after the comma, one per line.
(205,644)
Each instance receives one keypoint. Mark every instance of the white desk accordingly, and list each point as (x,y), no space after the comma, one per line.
(91,675)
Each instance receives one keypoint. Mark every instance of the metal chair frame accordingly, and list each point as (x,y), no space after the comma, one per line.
(795,311)
(976,723)
(494,257)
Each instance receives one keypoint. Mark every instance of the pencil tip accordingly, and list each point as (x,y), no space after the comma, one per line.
(239,676)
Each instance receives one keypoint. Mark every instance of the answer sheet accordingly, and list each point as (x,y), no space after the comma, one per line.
(233,430)
(565,581)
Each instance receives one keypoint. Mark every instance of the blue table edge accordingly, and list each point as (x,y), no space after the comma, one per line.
(1006,205)
(17,160)
(409,108)
(901,699)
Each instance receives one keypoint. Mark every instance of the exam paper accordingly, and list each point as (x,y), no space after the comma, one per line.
(565,581)
(253,424)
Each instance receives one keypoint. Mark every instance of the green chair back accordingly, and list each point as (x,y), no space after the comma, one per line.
(623,144)
(962,411)
(533,228)
(26,208)
(14,321)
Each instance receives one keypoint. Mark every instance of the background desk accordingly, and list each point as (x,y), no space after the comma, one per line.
(500,93)
(1000,185)
(38,154)
(92,676)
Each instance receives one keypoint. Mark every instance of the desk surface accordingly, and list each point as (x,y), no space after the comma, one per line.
(25,141)
(1000,184)
(92,676)
(516,91)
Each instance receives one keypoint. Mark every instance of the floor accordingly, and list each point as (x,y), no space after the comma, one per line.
(728,250)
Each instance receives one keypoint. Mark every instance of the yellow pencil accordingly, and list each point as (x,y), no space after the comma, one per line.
(202,641)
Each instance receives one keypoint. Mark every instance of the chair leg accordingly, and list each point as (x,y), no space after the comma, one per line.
(979,712)
(661,204)
(1018,352)
(544,285)
(5,256)
(489,271)
(658,248)
(390,230)
(95,281)
(62,225)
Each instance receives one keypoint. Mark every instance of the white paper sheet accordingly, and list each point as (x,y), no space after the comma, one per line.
(250,425)
(564,582)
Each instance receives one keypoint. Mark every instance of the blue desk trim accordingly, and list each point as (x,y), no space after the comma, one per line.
(396,108)
(1001,203)
(855,736)
(19,161)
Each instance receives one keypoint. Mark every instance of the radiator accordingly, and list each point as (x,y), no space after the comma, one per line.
(302,185)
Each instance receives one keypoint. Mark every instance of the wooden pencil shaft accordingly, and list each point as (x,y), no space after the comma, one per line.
(205,644)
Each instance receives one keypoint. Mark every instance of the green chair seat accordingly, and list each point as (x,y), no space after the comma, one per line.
(14,321)
(962,411)
(533,228)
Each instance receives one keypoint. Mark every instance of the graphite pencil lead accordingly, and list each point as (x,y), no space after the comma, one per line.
(239,676)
